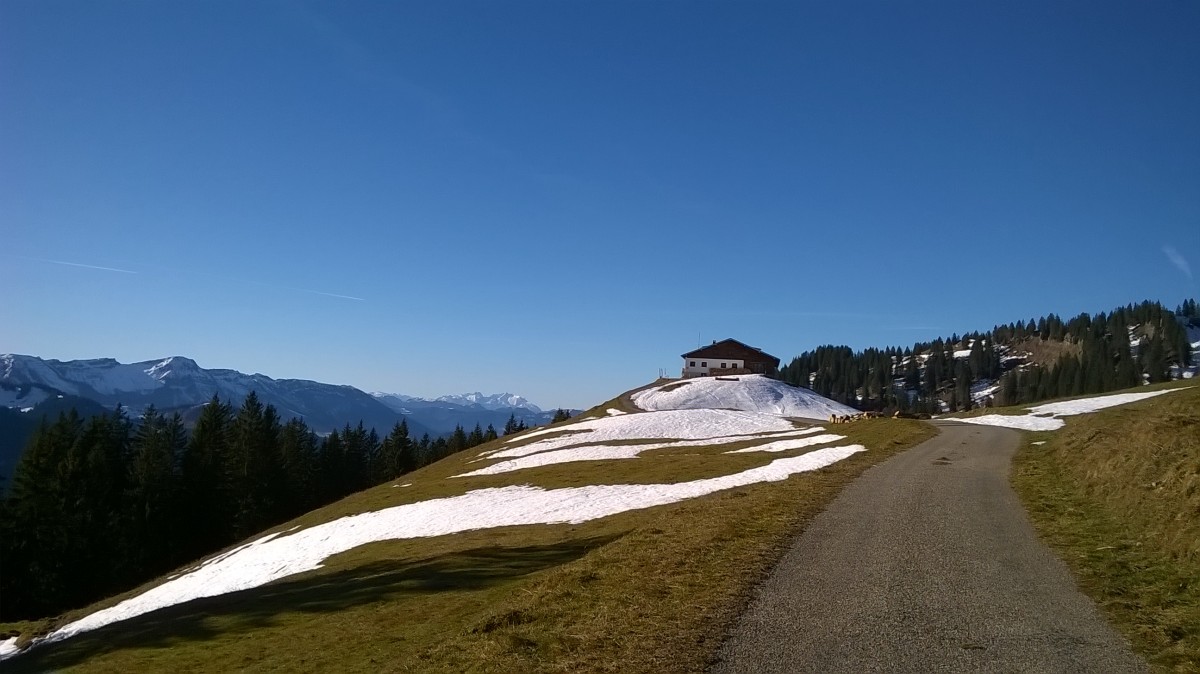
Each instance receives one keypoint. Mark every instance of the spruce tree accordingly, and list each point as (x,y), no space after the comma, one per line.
(151,516)
(205,481)
(510,426)
(298,456)
(400,452)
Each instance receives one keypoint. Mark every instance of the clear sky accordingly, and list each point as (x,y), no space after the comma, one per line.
(559,198)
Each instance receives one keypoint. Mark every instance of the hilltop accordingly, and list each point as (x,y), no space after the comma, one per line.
(755,393)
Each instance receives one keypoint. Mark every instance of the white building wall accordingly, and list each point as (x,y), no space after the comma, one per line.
(704,365)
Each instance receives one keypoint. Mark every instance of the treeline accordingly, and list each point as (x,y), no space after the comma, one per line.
(99,505)
(1094,355)
(1106,359)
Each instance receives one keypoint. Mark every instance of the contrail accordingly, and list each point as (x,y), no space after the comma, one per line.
(85,266)
(1178,260)
(168,269)
(345,297)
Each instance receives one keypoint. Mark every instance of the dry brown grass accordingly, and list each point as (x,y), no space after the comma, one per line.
(1045,352)
(645,591)
(1117,494)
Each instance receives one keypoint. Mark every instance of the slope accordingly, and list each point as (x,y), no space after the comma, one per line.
(749,392)
(1116,494)
(659,522)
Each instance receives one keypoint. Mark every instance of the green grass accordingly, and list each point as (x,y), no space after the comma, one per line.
(646,591)
(1117,495)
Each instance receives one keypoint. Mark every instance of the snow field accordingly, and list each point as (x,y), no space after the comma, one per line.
(602,452)
(689,424)
(750,393)
(274,556)
(1047,417)
(785,445)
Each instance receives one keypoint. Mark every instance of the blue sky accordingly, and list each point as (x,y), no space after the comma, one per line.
(559,198)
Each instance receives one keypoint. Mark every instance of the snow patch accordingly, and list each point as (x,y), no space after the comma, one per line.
(271,558)
(592,452)
(666,425)
(750,393)
(1046,417)
(8,647)
(785,445)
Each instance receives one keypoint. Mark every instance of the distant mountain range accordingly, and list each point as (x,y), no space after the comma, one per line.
(31,387)
(495,401)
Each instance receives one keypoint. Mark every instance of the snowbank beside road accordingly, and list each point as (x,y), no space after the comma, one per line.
(1047,417)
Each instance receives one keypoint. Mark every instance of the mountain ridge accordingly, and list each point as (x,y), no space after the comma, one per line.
(180,383)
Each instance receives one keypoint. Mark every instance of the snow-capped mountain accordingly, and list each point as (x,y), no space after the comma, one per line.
(442,414)
(178,383)
(494,401)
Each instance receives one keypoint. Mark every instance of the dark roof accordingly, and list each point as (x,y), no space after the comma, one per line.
(732,349)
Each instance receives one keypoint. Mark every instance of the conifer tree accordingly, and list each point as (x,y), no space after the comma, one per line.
(151,516)
(399,451)
(457,440)
(257,474)
(298,456)
(510,426)
(205,481)
(475,438)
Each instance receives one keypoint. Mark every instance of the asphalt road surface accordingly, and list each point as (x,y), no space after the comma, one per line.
(926,563)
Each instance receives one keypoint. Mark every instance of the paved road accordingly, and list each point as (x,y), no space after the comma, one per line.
(926,563)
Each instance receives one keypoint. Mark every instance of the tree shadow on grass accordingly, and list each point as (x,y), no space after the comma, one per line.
(315,592)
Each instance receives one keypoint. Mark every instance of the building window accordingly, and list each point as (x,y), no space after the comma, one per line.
(722,366)
(704,363)
(692,364)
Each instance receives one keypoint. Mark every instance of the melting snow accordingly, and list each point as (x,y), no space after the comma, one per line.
(751,393)
(668,425)
(8,647)
(1046,417)
(592,452)
(785,445)
(273,557)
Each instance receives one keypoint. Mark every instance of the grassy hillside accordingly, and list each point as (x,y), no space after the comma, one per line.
(1117,495)
(648,590)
